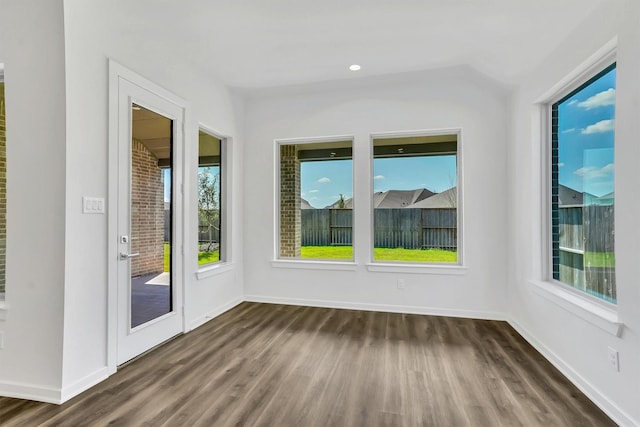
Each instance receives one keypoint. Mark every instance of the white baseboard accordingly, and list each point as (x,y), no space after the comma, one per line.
(85,383)
(52,395)
(603,402)
(30,392)
(201,320)
(407,309)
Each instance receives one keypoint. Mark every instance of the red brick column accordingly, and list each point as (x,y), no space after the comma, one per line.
(290,229)
(147,211)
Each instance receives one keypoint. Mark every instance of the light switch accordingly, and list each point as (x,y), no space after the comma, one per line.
(92,205)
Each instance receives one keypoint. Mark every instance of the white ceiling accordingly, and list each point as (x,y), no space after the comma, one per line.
(263,43)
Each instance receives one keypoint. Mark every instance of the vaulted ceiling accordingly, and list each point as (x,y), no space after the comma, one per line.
(260,43)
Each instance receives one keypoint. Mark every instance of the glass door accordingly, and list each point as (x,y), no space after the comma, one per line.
(150,141)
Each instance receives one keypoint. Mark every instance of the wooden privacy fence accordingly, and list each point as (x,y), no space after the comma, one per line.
(393,228)
(587,228)
(586,238)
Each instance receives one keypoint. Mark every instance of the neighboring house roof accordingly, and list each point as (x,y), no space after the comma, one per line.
(605,200)
(568,196)
(305,205)
(391,199)
(348,204)
(443,200)
(399,198)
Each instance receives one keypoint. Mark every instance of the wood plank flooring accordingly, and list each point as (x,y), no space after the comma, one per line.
(277,365)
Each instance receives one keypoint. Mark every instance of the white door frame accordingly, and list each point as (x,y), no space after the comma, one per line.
(117,75)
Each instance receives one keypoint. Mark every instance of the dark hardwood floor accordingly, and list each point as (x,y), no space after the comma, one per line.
(276,365)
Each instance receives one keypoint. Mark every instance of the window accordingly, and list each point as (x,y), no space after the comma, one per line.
(3,185)
(316,200)
(415,200)
(210,209)
(582,187)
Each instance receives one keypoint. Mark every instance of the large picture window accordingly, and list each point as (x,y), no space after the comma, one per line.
(582,187)
(316,189)
(415,200)
(210,209)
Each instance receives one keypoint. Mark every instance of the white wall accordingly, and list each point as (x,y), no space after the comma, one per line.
(449,98)
(95,31)
(576,346)
(32,49)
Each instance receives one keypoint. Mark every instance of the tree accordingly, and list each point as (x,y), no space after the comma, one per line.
(208,202)
(341,202)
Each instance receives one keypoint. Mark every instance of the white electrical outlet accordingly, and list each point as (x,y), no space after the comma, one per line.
(400,283)
(614,360)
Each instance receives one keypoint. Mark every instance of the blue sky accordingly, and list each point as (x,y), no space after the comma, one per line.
(323,182)
(166,178)
(586,137)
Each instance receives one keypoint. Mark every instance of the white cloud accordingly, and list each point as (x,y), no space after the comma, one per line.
(592,172)
(378,177)
(600,127)
(313,191)
(602,99)
(560,164)
(573,102)
(569,130)
(323,180)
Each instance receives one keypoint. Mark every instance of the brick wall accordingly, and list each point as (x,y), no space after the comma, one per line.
(147,211)
(290,220)
(3,189)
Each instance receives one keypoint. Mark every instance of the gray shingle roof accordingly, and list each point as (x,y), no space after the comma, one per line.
(446,199)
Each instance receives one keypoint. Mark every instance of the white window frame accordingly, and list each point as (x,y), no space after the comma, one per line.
(310,263)
(588,307)
(457,268)
(225,262)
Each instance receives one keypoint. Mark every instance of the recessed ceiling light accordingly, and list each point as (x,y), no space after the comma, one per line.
(354,67)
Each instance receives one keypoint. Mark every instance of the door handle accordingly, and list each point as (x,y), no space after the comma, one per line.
(124,255)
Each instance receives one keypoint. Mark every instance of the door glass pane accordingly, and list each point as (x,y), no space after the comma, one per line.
(151,201)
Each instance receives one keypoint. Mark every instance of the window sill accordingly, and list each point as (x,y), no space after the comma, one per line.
(315,264)
(598,315)
(4,308)
(453,270)
(213,270)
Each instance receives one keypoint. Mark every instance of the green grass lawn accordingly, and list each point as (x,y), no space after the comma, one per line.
(166,257)
(381,254)
(327,252)
(204,257)
(599,259)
